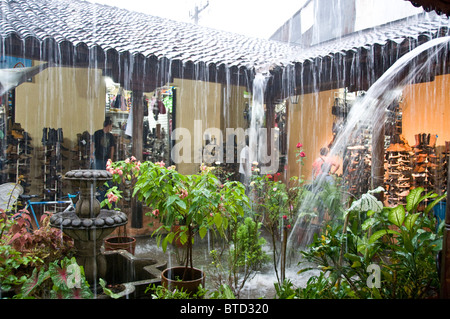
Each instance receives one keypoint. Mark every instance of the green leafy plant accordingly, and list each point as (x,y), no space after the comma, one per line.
(277,204)
(198,203)
(400,240)
(285,290)
(66,279)
(107,291)
(124,176)
(22,250)
(223,292)
(244,256)
(12,262)
(47,243)
(161,292)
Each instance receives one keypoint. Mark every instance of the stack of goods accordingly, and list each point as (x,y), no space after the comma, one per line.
(52,168)
(156,146)
(357,166)
(82,151)
(441,177)
(398,180)
(425,161)
(18,156)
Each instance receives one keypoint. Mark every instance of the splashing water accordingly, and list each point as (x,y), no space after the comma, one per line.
(369,111)
(11,78)
(257,140)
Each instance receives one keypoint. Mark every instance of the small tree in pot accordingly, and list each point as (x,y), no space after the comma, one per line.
(198,202)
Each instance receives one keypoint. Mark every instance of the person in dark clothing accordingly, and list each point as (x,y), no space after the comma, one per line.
(103,145)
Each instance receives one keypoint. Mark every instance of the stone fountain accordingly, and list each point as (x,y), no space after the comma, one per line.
(87,224)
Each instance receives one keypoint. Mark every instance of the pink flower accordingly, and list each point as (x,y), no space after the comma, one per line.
(302,154)
(183,194)
(108,163)
(112,198)
(155,212)
(133,158)
(299,145)
(120,172)
(160,164)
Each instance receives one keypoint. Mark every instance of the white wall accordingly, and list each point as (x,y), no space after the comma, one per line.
(371,13)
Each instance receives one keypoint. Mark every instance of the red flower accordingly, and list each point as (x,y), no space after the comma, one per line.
(299,145)
(302,154)
(288,226)
(284,217)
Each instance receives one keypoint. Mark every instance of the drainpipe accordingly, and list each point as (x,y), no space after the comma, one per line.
(137,148)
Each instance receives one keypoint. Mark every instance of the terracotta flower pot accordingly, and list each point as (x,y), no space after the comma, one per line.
(121,242)
(171,278)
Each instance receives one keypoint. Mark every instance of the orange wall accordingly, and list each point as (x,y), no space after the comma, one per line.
(426,109)
(309,122)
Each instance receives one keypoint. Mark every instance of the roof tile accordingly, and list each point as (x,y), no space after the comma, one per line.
(122,30)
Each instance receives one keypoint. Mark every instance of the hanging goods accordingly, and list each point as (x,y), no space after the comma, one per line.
(119,102)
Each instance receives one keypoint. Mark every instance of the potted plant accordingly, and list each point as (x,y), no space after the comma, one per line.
(197,203)
(124,174)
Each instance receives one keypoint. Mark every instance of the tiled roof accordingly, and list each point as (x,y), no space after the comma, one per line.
(122,30)
(440,6)
(425,26)
(111,28)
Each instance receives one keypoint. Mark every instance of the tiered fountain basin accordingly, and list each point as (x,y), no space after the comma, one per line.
(87,224)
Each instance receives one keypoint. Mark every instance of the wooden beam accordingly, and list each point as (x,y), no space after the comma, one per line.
(137,149)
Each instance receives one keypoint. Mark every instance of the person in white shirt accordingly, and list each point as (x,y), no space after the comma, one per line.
(244,166)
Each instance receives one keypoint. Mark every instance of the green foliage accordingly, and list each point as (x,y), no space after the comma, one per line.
(400,240)
(286,290)
(161,292)
(198,202)
(247,246)
(223,292)
(47,243)
(108,291)
(23,250)
(245,256)
(65,277)
(11,262)
(277,204)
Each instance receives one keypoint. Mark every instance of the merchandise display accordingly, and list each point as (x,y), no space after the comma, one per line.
(398,175)
(52,167)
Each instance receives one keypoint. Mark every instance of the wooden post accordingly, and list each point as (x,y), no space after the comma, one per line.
(445,257)
(137,148)
(377,168)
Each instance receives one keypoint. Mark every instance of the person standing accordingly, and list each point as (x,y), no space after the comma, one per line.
(324,159)
(103,145)
(244,166)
